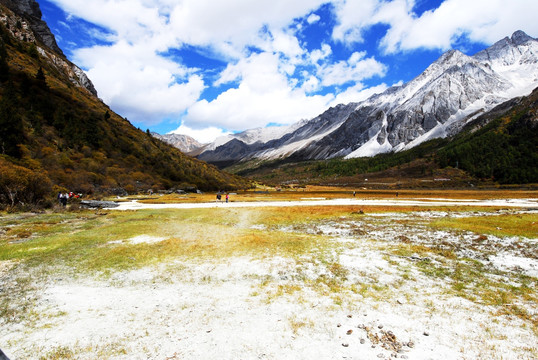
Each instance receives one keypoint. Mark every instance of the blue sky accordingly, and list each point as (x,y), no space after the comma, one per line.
(209,67)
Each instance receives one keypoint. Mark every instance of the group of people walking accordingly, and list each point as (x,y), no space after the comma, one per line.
(219,197)
(63,197)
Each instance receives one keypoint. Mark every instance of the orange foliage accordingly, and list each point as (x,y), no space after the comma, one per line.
(19,185)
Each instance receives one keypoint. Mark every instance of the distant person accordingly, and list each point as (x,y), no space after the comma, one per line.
(218,197)
(353,193)
(226,197)
(63,199)
(59,198)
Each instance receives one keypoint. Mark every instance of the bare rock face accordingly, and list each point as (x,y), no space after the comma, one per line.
(83,79)
(33,29)
(29,9)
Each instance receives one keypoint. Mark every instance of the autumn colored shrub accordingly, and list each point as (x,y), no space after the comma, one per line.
(21,186)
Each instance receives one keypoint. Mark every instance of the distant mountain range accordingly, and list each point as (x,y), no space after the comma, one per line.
(452,91)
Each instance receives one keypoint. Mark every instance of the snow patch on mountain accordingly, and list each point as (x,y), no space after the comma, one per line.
(289,148)
(184,143)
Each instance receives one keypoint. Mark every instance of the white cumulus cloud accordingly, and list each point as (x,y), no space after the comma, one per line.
(483,21)
(264,95)
(355,69)
(313,18)
(139,84)
(270,73)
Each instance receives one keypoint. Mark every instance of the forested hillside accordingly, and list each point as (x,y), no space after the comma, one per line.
(505,149)
(60,133)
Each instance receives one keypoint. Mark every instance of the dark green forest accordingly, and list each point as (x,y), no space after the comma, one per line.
(505,150)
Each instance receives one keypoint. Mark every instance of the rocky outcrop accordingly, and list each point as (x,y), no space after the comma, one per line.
(75,74)
(25,24)
(29,9)
(96,204)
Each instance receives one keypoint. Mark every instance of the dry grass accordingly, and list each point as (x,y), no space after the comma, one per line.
(335,193)
(525,225)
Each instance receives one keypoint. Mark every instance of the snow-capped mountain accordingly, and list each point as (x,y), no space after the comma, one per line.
(450,92)
(184,143)
(291,138)
(252,136)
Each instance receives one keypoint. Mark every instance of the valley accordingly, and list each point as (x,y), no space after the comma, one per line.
(401,225)
(370,280)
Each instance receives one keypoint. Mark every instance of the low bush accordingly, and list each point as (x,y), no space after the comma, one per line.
(20,186)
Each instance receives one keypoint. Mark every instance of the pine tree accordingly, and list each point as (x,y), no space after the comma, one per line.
(4,67)
(40,77)
(11,128)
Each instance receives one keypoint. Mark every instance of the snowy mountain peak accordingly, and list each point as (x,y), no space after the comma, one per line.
(184,143)
(509,50)
(520,38)
(451,58)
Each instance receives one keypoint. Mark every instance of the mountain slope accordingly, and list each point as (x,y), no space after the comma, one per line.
(438,103)
(452,88)
(499,146)
(53,125)
(296,136)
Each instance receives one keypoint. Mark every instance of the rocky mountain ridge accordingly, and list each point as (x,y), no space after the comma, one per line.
(452,91)
(300,134)
(30,10)
(23,20)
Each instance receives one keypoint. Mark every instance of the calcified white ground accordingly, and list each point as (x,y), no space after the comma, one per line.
(428,202)
(231,308)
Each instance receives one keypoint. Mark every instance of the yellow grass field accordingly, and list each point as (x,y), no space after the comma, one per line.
(309,192)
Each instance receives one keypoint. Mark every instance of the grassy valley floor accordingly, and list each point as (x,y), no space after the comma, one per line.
(331,282)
